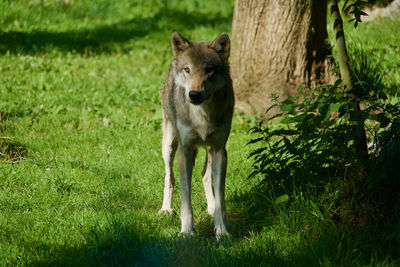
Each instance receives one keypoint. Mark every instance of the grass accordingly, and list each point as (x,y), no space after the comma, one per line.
(80,124)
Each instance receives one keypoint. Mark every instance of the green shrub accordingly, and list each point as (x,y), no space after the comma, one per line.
(313,141)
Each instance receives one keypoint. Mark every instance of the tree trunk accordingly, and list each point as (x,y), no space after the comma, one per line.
(390,11)
(277,45)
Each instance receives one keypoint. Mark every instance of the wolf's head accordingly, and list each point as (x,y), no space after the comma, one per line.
(201,67)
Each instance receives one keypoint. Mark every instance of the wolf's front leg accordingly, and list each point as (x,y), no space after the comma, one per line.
(218,165)
(169,146)
(185,164)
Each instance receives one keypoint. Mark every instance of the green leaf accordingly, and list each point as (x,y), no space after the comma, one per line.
(297,118)
(271,107)
(383,121)
(335,107)
(286,107)
(252,141)
(281,132)
(282,199)
(290,100)
(286,120)
(257,151)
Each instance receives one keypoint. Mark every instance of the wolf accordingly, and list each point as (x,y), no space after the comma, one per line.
(197,101)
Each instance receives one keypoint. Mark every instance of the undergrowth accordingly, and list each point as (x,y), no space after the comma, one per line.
(304,159)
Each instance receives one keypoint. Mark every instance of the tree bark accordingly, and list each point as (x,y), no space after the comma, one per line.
(277,45)
(390,11)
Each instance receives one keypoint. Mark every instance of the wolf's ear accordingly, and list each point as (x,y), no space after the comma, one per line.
(222,45)
(179,44)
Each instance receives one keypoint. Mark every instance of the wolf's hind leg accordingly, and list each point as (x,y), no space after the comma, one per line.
(207,183)
(169,147)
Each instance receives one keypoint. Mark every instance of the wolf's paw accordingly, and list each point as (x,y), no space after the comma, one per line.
(221,233)
(186,234)
(165,211)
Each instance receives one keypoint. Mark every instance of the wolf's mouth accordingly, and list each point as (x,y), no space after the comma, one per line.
(199,101)
(196,102)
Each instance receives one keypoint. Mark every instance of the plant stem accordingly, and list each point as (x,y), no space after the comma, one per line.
(360,140)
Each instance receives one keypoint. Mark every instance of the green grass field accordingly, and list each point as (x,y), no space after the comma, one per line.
(81,173)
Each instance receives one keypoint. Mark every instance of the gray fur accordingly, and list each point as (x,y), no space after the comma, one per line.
(197,100)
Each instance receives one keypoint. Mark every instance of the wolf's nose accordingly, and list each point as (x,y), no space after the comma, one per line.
(195,96)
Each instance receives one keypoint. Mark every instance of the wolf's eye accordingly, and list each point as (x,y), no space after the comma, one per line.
(187,70)
(208,70)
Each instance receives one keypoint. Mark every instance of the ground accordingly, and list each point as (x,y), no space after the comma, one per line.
(81,172)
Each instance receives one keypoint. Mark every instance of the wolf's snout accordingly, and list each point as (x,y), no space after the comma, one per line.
(195,96)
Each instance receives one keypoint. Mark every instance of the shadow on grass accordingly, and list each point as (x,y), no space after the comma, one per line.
(10,150)
(118,245)
(315,242)
(130,241)
(123,242)
(6,115)
(106,38)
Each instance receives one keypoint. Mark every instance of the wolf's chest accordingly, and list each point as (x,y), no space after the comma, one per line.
(197,128)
